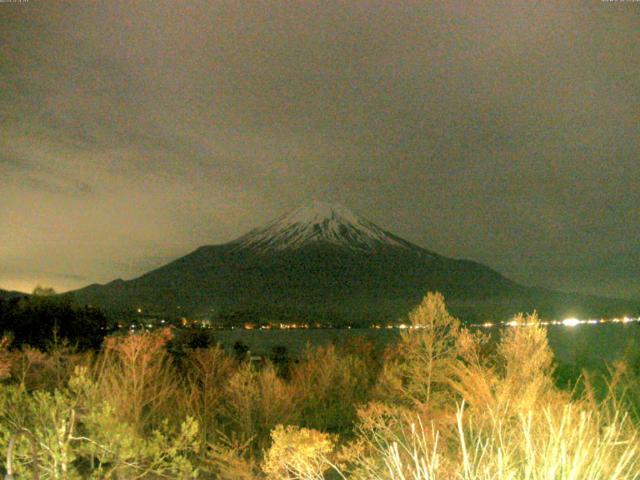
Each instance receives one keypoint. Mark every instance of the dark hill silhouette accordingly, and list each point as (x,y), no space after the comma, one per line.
(7,294)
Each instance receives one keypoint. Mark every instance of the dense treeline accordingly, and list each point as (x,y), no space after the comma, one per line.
(443,403)
(44,317)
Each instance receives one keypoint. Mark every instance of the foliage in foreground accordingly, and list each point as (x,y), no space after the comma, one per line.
(444,403)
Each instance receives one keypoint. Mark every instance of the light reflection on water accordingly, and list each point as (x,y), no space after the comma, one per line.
(587,342)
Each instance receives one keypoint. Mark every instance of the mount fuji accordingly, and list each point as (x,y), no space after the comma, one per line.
(320,223)
(323,263)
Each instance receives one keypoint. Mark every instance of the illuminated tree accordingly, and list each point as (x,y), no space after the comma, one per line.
(420,366)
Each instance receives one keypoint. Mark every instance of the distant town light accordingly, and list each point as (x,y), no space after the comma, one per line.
(570,322)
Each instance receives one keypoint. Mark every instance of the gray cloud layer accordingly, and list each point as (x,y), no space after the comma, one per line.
(132,132)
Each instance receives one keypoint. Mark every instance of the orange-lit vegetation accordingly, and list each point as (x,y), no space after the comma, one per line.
(443,403)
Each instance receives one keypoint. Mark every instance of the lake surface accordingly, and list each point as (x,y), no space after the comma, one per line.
(594,343)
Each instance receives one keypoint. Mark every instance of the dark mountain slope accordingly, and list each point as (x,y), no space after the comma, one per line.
(324,262)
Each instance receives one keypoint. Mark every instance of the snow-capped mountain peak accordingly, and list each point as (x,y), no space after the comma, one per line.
(318,212)
(319,222)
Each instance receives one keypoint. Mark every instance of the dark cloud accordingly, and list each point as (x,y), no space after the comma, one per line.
(63,187)
(37,176)
(505,133)
(71,276)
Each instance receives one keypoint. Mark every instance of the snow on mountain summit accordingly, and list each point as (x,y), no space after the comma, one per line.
(318,212)
(319,222)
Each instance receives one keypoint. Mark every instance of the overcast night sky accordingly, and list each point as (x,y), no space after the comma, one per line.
(133,132)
